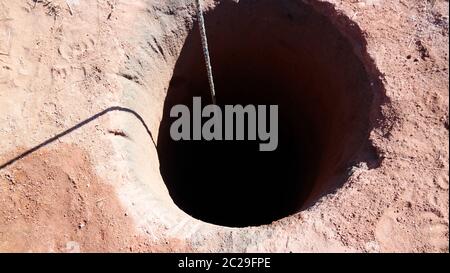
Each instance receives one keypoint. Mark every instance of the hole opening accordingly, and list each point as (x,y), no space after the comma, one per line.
(268,52)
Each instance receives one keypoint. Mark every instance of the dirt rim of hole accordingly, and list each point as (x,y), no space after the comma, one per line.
(329,94)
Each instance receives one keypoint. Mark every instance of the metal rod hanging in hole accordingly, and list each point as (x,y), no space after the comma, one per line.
(201,23)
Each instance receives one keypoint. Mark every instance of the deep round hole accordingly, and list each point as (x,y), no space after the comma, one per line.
(264,53)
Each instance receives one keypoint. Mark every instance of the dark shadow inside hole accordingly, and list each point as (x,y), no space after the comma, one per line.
(268,52)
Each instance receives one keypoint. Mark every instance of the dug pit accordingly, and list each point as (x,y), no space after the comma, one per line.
(264,53)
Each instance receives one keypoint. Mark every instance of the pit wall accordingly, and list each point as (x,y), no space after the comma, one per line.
(151,40)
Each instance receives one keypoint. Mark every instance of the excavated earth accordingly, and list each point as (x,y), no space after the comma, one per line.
(87,163)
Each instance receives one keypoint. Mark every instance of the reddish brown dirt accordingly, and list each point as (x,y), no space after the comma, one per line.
(53,202)
(60,66)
